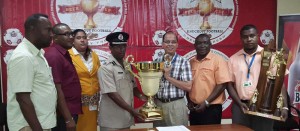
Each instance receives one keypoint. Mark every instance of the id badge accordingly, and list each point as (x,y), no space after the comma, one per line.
(247,83)
(92,107)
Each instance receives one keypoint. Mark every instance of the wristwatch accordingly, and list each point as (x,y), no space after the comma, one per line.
(206,103)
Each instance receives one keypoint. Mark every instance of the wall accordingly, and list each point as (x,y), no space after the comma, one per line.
(286,7)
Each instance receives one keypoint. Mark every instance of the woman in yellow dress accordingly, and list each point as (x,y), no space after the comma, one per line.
(87,64)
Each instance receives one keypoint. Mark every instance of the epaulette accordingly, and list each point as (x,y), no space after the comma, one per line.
(114,63)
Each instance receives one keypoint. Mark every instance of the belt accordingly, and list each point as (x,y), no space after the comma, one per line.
(166,100)
(245,101)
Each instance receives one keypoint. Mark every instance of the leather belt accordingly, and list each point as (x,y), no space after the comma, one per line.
(169,99)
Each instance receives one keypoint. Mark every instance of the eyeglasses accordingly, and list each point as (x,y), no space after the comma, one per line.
(170,42)
(68,34)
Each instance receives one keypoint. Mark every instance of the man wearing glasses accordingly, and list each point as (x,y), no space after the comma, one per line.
(176,81)
(210,75)
(65,78)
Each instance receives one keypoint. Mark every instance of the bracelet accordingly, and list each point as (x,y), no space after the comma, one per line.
(69,120)
(285,108)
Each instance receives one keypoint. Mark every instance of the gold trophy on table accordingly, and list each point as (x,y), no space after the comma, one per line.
(149,75)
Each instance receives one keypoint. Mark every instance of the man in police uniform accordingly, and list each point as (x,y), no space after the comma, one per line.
(117,88)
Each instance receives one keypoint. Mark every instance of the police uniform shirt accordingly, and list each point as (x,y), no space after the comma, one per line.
(113,78)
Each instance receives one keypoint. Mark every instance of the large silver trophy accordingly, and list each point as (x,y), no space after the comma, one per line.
(149,75)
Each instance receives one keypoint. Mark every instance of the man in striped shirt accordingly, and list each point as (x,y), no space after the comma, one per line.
(176,81)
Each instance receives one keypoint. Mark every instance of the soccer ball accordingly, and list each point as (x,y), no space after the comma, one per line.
(13,37)
(157,38)
(266,37)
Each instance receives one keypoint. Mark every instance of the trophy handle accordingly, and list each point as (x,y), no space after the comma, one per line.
(128,66)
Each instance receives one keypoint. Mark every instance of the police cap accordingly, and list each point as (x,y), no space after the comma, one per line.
(117,38)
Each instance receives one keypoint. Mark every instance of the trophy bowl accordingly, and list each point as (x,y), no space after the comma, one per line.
(149,75)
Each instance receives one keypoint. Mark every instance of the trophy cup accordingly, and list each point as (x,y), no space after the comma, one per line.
(267,100)
(206,7)
(149,75)
(90,8)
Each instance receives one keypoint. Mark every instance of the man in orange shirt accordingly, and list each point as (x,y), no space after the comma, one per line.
(244,68)
(210,77)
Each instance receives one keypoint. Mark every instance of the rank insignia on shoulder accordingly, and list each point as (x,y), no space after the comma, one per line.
(120,72)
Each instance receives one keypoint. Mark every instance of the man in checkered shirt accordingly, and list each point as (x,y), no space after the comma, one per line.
(176,81)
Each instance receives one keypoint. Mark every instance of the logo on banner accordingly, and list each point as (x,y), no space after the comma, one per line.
(103,55)
(7,55)
(97,17)
(266,37)
(215,17)
(157,38)
(12,37)
(193,53)
(158,55)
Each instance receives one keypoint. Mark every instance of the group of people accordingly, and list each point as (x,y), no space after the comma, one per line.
(66,88)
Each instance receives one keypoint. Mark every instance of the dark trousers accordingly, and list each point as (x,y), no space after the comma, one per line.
(211,115)
(61,123)
(254,122)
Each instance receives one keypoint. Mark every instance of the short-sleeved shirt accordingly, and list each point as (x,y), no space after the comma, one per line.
(181,70)
(64,73)
(238,70)
(207,73)
(114,78)
(28,71)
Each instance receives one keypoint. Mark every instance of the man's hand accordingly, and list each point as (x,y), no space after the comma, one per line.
(191,106)
(201,107)
(284,114)
(139,116)
(71,126)
(167,71)
(243,107)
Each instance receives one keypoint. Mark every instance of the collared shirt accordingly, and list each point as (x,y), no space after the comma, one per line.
(238,70)
(114,78)
(64,73)
(28,71)
(88,63)
(181,70)
(207,73)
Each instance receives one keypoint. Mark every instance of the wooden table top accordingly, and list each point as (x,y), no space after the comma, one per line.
(219,127)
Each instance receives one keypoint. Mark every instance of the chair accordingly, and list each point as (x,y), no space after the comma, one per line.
(292,122)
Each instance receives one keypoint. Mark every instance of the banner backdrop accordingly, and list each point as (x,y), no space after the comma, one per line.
(146,21)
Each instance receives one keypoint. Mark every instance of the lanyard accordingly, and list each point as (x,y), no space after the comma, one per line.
(249,65)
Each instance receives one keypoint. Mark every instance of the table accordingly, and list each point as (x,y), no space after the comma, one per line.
(219,127)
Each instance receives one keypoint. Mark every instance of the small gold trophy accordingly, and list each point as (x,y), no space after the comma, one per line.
(90,8)
(149,75)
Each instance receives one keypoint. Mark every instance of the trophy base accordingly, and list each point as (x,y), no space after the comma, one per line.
(152,115)
(269,116)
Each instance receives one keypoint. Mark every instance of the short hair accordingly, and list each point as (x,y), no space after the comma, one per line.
(204,35)
(248,27)
(78,30)
(55,28)
(169,32)
(32,21)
